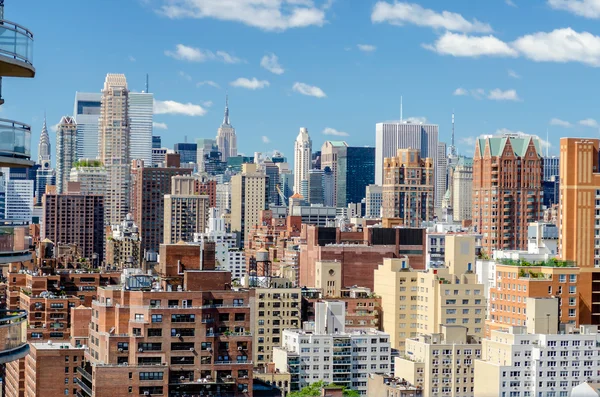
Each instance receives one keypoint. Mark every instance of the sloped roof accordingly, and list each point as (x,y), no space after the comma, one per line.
(519,144)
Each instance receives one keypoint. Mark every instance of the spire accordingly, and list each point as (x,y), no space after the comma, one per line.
(44,148)
(226,118)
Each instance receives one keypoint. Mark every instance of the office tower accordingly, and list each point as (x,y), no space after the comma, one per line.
(203,148)
(66,151)
(408,188)
(114,131)
(551,167)
(223,198)
(149,186)
(185,214)
(302,158)
(91,176)
(123,246)
(44,147)
(355,171)
(19,200)
(315,187)
(462,189)
(140,113)
(188,152)
(156,142)
(330,152)
(316,160)
(249,196)
(374,198)
(394,135)
(286,179)
(226,138)
(272,172)
(450,348)
(87,114)
(507,189)
(158,156)
(441,176)
(278,157)
(75,218)
(328,187)
(345,363)
(44,177)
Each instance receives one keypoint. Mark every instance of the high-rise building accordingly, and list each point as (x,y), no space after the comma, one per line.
(374,201)
(462,189)
(185,215)
(315,187)
(87,114)
(249,196)
(408,187)
(394,135)
(203,148)
(223,198)
(158,156)
(355,171)
(44,177)
(91,176)
(114,131)
(75,218)
(156,142)
(66,151)
(441,176)
(272,172)
(140,113)
(44,147)
(188,152)
(226,138)
(302,159)
(19,200)
(507,189)
(551,167)
(331,151)
(149,186)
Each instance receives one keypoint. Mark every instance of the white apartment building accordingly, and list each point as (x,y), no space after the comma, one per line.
(436,241)
(19,200)
(228,255)
(324,350)
(536,361)
(441,363)
(302,159)
(91,175)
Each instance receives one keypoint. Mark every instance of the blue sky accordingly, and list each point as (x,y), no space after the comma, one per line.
(332,66)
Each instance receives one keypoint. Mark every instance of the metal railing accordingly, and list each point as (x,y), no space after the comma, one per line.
(16,42)
(13,335)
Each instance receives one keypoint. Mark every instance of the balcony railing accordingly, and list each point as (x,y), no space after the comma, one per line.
(15,138)
(13,335)
(16,43)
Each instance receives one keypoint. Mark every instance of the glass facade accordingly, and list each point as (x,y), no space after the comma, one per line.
(355,171)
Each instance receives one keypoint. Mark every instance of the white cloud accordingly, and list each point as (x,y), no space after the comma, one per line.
(560,123)
(560,45)
(207,82)
(207,104)
(583,8)
(271,63)
(462,45)
(460,92)
(500,95)
(192,54)
(131,58)
(366,47)
(309,90)
(510,3)
(172,107)
(185,76)
(251,84)
(334,132)
(54,127)
(416,120)
(505,131)
(269,15)
(513,74)
(159,126)
(589,123)
(265,139)
(477,93)
(402,12)
(468,140)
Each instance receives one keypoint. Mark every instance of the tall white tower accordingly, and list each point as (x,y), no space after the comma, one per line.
(226,138)
(140,117)
(114,142)
(66,151)
(302,159)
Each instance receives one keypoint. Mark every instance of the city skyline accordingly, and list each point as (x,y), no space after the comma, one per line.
(486,88)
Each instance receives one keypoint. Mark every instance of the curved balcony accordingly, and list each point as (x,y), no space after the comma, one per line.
(15,144)
(16,50)
(13,245)
(13,335)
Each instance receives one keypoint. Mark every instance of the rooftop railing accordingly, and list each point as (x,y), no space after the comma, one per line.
(13,335)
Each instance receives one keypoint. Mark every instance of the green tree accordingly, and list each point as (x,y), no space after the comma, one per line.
(314,390)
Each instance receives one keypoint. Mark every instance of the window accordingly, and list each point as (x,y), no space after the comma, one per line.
(154,332)
(139,317)
(157,318)
(151,375)
(572,289)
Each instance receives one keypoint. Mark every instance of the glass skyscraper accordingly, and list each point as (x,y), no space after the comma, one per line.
(140,125)
(87,113)
(355,171)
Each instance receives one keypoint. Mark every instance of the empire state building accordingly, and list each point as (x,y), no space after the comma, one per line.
(226,138)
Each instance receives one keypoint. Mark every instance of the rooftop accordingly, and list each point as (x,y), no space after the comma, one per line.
(553,262)
(55,346)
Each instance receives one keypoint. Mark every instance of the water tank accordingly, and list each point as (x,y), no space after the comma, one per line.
(262,255)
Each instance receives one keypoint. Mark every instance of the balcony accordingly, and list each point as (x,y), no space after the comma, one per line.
(13,335)
(15,143)
(16,50)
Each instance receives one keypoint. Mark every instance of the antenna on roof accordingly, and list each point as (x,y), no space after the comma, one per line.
(401,108)
(147,83)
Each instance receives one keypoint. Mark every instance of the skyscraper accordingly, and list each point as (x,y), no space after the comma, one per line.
(330,152)
(462,189)
(408,188)
(249,196)
(156,142)
(66,151)
(302,159)
(226,138)
(44,148)
(185,214)
(551,168)
(507,190)
(87,113)
(188,152)
(355,171)
(315,187)
(203,148)
(393,135)
(140,126)
(114,146)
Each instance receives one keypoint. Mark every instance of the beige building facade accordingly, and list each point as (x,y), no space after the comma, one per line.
(249,196)
(184,216)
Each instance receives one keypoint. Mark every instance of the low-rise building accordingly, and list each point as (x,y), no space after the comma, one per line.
(381,384)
